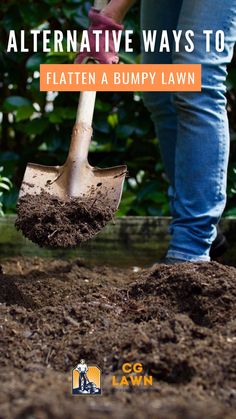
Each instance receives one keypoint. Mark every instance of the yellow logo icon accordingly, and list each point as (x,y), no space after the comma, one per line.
(86,379)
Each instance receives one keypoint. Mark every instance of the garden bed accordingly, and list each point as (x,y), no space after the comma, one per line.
(178,321)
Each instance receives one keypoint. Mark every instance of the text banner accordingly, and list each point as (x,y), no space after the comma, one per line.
(120,77)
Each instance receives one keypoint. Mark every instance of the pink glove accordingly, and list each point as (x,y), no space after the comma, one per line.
(100,22)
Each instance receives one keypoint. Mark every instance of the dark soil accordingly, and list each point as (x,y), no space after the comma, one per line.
(50,222)
(178,321)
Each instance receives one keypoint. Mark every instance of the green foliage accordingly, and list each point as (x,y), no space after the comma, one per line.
(231,210)
(5,186)
(36,126)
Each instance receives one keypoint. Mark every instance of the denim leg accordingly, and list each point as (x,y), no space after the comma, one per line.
(202,144)
(162,15)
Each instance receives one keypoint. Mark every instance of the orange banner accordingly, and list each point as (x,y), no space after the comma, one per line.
(120,77)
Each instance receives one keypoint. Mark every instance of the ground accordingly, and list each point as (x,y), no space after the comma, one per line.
(178,321)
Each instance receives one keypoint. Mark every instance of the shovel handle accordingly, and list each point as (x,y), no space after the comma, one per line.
(87,99)
(82,131)
(100,4)
(86,108)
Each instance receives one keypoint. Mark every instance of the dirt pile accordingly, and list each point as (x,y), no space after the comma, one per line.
(178,321)
(50,222)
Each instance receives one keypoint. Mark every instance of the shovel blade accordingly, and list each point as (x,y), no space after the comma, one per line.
(70,181)
(36,178)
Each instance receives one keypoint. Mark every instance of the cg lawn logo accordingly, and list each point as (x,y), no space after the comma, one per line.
(86,379)
(132,376)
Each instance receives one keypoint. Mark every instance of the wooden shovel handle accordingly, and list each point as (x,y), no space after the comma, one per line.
(86,108)
(100,4)
(87,100)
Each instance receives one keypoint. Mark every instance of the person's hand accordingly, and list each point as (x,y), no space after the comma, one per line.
(99,21)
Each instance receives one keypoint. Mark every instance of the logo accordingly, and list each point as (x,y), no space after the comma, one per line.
(132,376)
(86,379)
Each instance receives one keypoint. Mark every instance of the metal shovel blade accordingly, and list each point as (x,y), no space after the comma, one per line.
(76,178)
(63,206)
(103,185)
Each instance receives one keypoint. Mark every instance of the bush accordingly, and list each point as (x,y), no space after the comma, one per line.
(5,186)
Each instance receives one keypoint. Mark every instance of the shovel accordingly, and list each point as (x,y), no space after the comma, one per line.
(76,179)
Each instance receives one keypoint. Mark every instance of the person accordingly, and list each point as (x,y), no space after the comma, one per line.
(82,369)
(192,127)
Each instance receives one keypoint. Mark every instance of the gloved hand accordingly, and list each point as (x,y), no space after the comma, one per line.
(99,21)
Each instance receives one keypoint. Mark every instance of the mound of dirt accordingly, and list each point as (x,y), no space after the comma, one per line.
(50,222)
(178,321)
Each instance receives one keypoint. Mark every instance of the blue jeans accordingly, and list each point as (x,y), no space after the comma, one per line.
(192,128)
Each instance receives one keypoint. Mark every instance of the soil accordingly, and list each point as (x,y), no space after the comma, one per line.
(178,321)
(51,222)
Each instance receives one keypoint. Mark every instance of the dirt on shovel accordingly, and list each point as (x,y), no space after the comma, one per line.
(50,222)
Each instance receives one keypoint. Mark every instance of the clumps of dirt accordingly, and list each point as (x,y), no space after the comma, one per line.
(178,321)
(201,291)
(51,222)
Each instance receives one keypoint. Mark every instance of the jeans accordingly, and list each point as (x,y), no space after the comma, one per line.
(192,128)
(82,380)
